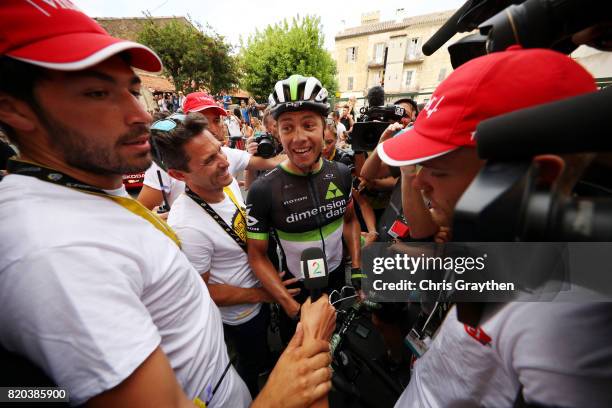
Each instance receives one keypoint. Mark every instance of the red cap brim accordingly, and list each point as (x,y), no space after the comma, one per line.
(77,51)
(410,147)
(220,110)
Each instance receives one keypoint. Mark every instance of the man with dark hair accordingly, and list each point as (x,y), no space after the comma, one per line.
(240,160)
(94,289)
(209,220)
(412,111)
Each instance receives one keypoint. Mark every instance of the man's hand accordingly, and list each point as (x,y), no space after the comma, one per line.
(251,146)
(318,319)
(369,237)
(268,298)
(291,308)
(301,375)
(289,282)
(390,131)
(443,235)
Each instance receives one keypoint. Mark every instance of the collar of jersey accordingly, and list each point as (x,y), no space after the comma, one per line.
(285,169)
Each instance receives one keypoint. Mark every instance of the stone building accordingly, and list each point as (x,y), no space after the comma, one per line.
(389,53)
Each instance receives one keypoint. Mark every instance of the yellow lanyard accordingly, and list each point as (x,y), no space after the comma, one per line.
(135,207)
(52,176)
(240,224)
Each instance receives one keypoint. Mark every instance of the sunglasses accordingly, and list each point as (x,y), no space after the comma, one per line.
(169,123)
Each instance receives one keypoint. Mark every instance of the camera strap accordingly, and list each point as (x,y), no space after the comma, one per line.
(238,234)
(49,175)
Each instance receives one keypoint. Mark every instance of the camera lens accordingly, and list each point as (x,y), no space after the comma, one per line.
(265,148)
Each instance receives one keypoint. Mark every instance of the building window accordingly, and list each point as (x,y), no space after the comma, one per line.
(442,75)
(408,78)
(379,53)
(351,54)
(349,86)
(413,50)
(376,78)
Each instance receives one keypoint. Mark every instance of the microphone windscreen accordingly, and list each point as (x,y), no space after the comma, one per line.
(575,125)
(314,268)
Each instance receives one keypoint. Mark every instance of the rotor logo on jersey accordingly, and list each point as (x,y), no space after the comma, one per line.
(333,191)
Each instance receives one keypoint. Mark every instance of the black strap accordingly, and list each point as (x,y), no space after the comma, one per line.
(49,175)
(229,363)
(58,178)
(230,231)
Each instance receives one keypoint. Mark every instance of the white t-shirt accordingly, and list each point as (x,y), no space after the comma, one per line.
(238,162)
(88,290)
(340,129)
(233,126)
(210,248)
(560,352)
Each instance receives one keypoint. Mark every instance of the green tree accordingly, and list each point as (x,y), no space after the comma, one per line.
(192,58)
(285,49)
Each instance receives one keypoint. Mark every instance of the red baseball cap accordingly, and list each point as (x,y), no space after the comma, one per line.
(199,101)
(57,35)
(480,89)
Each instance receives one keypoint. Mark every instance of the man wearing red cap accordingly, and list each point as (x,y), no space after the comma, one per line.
(525,349)
(94,289)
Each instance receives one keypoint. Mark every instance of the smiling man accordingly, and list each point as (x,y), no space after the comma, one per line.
(306,200)
(209,220)
(94,289)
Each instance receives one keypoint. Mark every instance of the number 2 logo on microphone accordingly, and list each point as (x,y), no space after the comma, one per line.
(316,268)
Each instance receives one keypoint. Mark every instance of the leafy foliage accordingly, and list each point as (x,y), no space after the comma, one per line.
(194,59)
(285,49)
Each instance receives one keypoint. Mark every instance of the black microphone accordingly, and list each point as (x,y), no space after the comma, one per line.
(315,271)
(447,30)
(376,96)
(576,125)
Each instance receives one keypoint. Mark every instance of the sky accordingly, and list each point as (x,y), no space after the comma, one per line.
(237,18)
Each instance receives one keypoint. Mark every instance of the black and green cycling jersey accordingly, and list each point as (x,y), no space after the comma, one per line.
(301,209)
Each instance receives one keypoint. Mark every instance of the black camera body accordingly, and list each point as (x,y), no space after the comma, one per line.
(266,144)
(371,124)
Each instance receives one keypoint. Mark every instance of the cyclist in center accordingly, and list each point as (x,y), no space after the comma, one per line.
(305,201)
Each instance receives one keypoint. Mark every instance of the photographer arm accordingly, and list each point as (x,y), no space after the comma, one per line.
(351,233)
(258,163)
(373,167)
(368,216)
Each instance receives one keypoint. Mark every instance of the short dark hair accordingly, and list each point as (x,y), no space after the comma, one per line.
(171,145)
(18,79)
(409,101)
(335,114)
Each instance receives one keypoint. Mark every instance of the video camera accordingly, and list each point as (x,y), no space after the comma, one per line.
(508,142)
(266,144)
(373,121)
(508,180)
(531,23)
